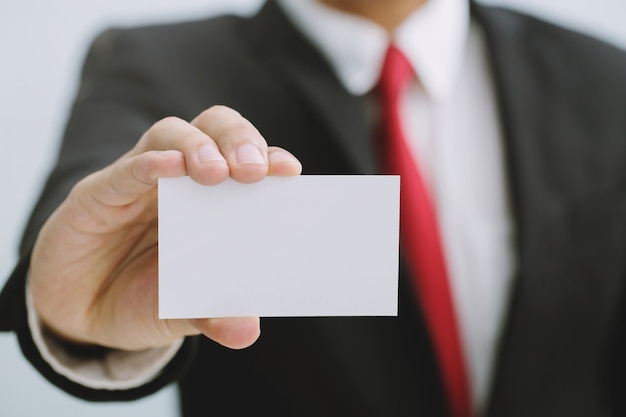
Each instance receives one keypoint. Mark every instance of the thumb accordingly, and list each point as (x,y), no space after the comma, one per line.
(232,332)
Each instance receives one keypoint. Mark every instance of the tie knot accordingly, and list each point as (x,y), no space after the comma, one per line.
(395,75)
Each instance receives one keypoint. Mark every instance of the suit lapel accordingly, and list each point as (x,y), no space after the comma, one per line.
(553,346)
(285,52)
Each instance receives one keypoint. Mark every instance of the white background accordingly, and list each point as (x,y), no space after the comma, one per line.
(42,44)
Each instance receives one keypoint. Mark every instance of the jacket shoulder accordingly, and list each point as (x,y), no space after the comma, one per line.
(564,51)
(168,41)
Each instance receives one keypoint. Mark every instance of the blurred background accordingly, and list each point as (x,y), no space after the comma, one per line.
(42,44)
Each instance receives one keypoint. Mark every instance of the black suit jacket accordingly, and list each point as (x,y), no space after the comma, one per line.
(562,100)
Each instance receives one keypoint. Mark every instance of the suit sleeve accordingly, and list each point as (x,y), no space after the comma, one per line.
(116,102)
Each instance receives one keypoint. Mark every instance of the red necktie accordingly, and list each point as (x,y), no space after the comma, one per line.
(420,236)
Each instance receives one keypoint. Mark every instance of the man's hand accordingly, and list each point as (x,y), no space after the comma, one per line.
(93,273)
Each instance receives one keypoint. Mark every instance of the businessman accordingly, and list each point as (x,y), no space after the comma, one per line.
(516,129)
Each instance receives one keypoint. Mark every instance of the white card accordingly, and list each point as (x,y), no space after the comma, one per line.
(285,246)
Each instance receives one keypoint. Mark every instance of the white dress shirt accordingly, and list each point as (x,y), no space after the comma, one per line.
(451,120)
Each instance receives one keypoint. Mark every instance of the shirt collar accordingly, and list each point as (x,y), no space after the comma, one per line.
(433,39)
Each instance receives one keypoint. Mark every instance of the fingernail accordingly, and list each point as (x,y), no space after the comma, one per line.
(209,153)
(282,156)
(249,154)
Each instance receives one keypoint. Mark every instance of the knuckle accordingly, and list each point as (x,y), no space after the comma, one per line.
(220,117)
(228,127)
(167,123)
(220,110)
(162,134)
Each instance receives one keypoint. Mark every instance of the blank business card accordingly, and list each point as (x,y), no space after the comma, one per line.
(285,246)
